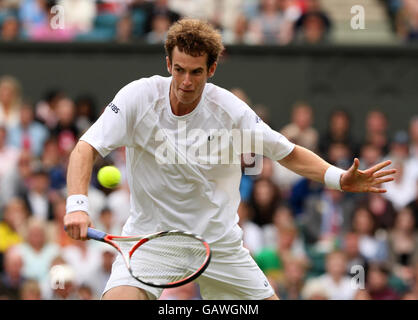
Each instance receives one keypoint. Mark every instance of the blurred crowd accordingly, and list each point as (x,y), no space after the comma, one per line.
(311,242)
(403,15)
(241,21)
(250,22)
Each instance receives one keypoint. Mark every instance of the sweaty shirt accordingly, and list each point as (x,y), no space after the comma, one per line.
(183,171)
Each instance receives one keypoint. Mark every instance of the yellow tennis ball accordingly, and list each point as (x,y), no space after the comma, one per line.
(109,176)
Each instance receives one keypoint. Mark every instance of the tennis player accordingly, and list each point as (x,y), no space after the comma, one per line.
(194,196)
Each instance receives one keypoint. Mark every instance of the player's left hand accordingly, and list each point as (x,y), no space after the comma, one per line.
(355,180)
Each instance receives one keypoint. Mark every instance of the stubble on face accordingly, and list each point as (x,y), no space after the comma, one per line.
(190,75)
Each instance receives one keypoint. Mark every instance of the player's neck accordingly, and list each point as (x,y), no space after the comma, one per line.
(180,109)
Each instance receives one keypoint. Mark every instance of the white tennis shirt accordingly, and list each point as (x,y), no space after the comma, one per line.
(177,172)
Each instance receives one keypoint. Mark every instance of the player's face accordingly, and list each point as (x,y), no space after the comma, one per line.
(189,78)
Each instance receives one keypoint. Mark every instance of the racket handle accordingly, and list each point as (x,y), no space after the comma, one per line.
(96,234)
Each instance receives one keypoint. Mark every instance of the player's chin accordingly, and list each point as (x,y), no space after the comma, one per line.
(187,100)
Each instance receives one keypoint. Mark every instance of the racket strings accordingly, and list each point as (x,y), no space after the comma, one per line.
(168,258)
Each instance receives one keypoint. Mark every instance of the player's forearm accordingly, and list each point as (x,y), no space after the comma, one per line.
(80,167)
(306,163)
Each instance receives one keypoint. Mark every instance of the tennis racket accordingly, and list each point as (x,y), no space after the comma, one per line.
(164,259)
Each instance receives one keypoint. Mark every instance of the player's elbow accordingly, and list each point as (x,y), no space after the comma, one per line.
(83,150)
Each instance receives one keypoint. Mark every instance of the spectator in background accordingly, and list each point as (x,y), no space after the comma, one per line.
(106,222)
(382,209)
(264,199)
(362,294)
(293,281)
(340,155)
(118,203)
(240,93)
(406,21)
(335,280)
(338,131)
(32,14)
(125,29)
(271,24)
(288,246)
(45,110)
(352,252)
(402,190)
(376,130)
(413,205)
(370,155)
(413,136)
(30,290)
(37,252)
(159,28)
(13,223)
(372,247)
(47,31)
(85,260)
(65,129)
(326,218)
(10,101)
(37,196)
(9,157)
(18,181)
(403,245)
(11,279)
(300,191)
(55,228)
(101,276)
(314,289)
(85,292)
(159,8)
(314,25)
(282,219)
(238,34)
(300,130)
(78,14)
(252,233)
(63,277)
(10,29)
(55,164)
(10,5)
(28,134)
(85,109)
(377,282)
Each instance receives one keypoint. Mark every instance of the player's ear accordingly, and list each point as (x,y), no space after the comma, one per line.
(167,59)
(212,69)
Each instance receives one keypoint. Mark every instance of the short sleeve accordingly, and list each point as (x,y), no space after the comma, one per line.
(116,125)
(274,145)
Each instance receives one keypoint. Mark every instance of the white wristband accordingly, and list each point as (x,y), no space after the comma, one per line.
(77,202)
(332,178)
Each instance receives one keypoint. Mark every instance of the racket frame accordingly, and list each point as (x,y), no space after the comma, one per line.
(113,239)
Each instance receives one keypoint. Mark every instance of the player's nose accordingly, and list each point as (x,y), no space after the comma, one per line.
(187,81)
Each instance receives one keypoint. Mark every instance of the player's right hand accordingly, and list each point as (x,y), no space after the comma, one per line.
(76,224)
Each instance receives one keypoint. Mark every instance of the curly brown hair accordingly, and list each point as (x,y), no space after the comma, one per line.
(194,37)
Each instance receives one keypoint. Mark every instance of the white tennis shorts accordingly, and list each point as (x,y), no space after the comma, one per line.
(232,274)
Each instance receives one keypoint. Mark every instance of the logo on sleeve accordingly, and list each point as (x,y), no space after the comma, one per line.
(114,108)
(257,119)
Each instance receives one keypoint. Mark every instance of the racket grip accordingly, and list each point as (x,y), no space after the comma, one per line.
(96,234)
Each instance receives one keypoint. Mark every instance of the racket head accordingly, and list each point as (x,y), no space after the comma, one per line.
(165,259)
